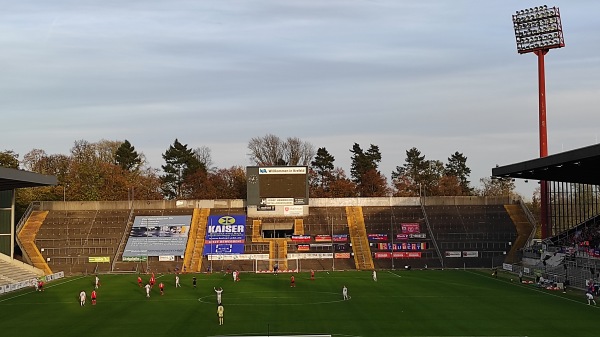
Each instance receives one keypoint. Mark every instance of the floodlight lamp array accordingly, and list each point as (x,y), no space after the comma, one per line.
(538,28)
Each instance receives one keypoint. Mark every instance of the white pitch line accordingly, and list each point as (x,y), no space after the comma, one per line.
(541,291)
(50,286)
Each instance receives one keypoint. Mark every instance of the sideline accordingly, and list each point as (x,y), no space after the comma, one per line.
(49,286)
(538,290)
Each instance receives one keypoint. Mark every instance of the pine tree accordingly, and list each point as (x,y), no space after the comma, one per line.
(180,164)
(457,166)
(127,157)
(362,162)
(323,166)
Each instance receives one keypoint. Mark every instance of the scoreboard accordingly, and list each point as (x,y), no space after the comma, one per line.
(270,186)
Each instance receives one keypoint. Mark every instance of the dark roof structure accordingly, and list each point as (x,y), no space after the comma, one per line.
(11,179)
(575,166)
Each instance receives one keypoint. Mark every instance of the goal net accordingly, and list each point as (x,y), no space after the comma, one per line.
(276,265)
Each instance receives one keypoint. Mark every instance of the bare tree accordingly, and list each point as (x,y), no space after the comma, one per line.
(271,150)
(204,156)
(267,150)
(299,152)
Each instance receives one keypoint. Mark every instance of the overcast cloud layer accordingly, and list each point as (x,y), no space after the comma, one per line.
(441,76)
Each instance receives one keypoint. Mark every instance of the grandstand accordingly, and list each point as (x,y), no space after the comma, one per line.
(569,250)
(337,234)
(15,274)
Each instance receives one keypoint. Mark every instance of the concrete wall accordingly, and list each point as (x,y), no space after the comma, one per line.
(240,203)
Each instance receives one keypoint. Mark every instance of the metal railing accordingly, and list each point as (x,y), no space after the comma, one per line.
(33,206)
(531,220)
(437,249)
(125,235)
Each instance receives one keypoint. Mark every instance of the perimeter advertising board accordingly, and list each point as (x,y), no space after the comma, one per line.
(157,236)
(225,234)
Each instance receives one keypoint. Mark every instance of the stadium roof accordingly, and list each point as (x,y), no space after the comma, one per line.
(11,179)
(575,166)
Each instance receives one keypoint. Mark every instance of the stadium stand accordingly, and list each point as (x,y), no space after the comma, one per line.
(379,235)
(384,224)
(459,229)
(12,271)
(67,239)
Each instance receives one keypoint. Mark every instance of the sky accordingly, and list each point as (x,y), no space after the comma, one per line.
(441,76)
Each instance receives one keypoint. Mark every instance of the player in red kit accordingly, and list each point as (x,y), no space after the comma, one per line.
(161,286)
(140,281)
(312,275)
(93,297)
(292,282)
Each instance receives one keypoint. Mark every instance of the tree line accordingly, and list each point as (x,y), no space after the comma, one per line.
(114,170)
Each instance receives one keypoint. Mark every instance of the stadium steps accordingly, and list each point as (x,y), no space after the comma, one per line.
(358,238)
(196,237)
(524,228)
(27,239)
(299,226)
(278,252)
(256,234)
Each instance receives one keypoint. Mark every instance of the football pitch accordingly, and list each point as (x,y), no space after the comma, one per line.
(401,303)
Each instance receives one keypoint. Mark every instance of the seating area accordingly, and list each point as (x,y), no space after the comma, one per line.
(326,220)
(385,225)
(66,240)
(397,236)
(12,273)
(582,240)
(487,229)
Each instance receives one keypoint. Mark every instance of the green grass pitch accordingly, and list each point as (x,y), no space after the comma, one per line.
(400,303)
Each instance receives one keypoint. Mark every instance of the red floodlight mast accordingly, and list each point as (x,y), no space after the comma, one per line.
(537,30)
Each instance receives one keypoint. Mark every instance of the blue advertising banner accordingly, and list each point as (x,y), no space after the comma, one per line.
(225,234)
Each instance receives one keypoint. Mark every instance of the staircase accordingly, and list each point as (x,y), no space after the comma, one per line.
(27,238)
(278,253)
(524,228)
(256,234)
(298,227)
(358,238)
(195,245)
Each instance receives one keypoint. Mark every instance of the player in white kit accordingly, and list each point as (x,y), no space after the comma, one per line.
(590,298)
(219,292)
(82,297)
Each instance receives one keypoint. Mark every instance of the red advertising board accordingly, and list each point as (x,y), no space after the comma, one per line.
(303,248)
(322,238)
(342,255)
(398,255)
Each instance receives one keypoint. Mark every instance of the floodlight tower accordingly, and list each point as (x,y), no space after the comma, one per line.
(537,30)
